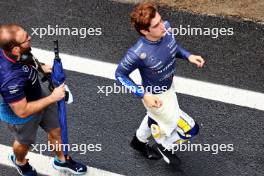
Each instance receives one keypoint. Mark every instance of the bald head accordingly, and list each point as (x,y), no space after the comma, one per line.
(5,36)
(11,36)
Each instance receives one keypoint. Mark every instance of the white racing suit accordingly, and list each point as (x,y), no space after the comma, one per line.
(168,125)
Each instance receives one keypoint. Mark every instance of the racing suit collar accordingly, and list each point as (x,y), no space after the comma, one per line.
(145,40)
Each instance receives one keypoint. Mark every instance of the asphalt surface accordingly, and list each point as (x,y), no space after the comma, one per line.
(111,121)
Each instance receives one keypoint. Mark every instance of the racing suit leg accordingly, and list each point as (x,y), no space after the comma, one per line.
(143,132)
(140,141)
(186,129)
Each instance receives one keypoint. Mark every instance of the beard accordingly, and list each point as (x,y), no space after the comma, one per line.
(25,50)
(26,56)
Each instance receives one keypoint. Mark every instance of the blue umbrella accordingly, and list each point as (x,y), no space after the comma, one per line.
(58,78)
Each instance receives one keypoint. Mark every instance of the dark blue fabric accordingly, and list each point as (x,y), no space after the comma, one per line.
(18,80)
(151,121)
(58,77)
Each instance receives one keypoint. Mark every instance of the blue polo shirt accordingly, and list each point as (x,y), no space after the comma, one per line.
(17,81)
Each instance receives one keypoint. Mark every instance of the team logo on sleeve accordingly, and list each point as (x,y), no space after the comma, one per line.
(13,89)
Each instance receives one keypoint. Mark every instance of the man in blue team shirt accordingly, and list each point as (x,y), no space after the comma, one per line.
(154,55)
(26,105)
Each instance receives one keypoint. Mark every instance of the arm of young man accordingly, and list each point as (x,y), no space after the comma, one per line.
(197,60)
(127,65)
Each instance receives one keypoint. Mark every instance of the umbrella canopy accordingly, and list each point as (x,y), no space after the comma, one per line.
(58,77)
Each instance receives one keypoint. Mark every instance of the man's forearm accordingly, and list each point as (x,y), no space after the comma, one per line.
(35,106)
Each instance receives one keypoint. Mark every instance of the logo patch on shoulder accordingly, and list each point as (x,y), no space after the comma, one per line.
(25,68)
(142,55)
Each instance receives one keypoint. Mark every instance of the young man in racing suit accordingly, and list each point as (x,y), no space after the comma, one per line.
(154,54)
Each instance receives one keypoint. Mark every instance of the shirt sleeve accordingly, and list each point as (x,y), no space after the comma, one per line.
(182,53)
(127,65)
(13,90)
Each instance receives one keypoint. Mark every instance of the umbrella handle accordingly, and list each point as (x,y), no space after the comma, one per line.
(56,49)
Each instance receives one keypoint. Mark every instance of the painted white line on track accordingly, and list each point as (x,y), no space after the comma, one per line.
(187,86)
(43,164)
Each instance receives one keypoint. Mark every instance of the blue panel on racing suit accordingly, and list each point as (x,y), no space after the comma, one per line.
(155,61)
(189,134)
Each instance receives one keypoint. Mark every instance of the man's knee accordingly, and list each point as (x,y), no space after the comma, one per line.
(18,144)
(55,133)
(19,141)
